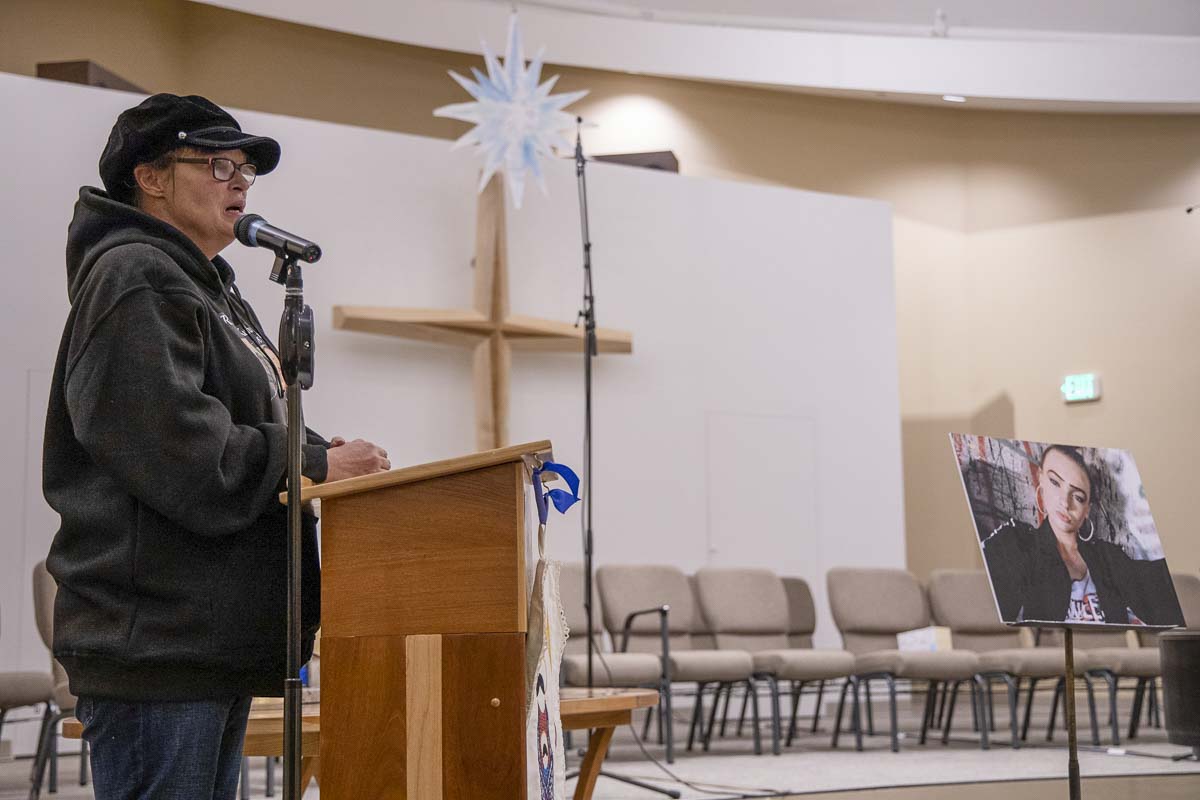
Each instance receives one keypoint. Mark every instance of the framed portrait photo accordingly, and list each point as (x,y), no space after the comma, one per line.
(1066,534)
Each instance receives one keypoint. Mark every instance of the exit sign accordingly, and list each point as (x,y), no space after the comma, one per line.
(1081,388)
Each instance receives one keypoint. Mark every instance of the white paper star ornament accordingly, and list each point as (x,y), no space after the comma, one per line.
(517,122)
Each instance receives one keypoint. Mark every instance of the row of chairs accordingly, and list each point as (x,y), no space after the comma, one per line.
(724,628)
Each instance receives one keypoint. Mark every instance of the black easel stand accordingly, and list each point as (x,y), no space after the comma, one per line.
(1069,700)
(587,315)
(296,360)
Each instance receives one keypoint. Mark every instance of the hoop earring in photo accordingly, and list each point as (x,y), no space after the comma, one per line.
(1037,501)
(1091,535)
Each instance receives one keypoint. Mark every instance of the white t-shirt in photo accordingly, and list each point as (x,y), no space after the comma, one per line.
(1085,602)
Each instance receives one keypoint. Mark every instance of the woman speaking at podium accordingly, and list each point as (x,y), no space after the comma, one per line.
(165,450)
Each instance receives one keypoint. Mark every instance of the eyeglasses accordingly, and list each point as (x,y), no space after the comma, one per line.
(224,168)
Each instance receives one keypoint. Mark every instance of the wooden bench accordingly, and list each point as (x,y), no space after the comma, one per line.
(601,712)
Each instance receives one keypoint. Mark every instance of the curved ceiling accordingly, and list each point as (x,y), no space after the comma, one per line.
(982,18)
(1068,55)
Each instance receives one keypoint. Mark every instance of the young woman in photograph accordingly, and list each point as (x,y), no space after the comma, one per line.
(1061,571)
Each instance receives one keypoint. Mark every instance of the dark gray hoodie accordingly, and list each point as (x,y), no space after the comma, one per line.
(164,453)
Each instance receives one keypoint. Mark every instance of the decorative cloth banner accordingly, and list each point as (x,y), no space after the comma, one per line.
(547,636)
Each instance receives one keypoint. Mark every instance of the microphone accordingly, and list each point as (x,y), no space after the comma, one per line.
(254,231)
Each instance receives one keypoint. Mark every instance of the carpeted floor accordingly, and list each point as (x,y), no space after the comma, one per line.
(731,769)
(811,766)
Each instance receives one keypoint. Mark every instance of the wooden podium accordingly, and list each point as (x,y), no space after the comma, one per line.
(423,613)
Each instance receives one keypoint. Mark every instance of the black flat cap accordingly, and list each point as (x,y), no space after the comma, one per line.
(165,122)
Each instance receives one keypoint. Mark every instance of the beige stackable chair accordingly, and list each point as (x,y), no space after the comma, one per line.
(802,622)
(870,606)
(609,669)
(44,592)
(747,609)
(961,600)
(650,609)
(21,689)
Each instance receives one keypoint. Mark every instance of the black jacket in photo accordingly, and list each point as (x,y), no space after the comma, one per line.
(165,450)
(1032,584)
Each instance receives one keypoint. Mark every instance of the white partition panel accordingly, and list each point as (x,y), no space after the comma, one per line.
(755,423)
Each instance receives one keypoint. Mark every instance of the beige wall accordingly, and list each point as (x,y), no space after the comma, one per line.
(1027,245)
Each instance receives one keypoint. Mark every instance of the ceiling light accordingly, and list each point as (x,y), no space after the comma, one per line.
(954,98)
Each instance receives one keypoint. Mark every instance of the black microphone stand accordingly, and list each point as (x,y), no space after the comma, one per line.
(590,350)
(296,359)
(588,315)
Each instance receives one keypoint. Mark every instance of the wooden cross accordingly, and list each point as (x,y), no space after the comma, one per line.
(489,328)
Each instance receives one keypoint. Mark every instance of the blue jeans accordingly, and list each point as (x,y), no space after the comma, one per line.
(164,751)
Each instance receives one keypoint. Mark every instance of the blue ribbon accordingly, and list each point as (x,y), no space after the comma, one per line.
(562,500)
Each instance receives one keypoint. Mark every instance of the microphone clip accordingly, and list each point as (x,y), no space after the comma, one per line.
(281,268)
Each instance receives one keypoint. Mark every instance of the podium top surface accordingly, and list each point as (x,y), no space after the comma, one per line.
(542,450)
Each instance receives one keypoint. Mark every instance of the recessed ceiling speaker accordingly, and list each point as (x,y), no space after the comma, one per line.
(1181,687)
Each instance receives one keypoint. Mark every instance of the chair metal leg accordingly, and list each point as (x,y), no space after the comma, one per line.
(712,716)
(858,728)
(1091,695)
(984,698)
(797,691)
(52,736)
(1135,713)
(1113,681)
(661,718)
(837,723)
(974,706)
(742,713)
(866,685)
(942,700)
(47,715)
(950,712)
(645,725)
(1059,688)
(1153,716)
(667,721)
(725,712)
(1014,695)
(817,708)
(697,711)
(891,685)
(991,706)
(930,707)
(1033,682)
(773,686)
(244,791)
(42,756)
(752,689)
(270,761)
(84,763)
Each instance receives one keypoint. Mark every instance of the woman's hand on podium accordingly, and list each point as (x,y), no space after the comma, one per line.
(351,459)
